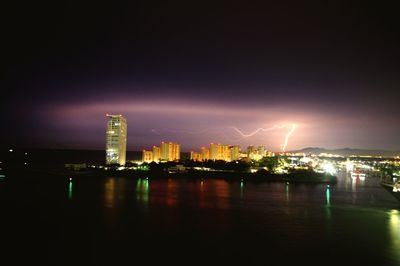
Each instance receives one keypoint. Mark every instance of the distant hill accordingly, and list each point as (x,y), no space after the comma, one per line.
(349,151)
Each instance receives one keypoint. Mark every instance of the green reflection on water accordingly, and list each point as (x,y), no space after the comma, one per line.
(70,190)
(394,232)
(328,204)
(287,191)
(142,190)
(328,197)
(241,188)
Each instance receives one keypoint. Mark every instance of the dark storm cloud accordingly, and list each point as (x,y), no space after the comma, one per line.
(331,67)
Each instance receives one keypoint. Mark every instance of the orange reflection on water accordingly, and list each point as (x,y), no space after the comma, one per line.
(109,193)
(221,188)
(172,192)
(202,198)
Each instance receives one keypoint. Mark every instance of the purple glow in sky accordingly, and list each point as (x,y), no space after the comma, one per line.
(196,74)
(196,123)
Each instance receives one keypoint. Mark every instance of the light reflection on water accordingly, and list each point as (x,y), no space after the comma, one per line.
(142,190)
(287,192)
(109,193)
(394,231)
(297,208)
(70,190)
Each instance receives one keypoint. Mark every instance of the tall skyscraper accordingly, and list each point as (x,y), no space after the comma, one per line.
(116,140)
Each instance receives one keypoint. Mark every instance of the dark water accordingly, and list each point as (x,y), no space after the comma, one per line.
(120,221)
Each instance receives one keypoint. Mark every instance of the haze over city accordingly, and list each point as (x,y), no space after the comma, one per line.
(191,73)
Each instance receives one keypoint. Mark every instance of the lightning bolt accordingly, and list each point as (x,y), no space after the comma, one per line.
(286,140)
(284,145)
(256,131)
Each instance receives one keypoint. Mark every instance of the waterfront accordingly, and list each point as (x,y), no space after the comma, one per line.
(182,221)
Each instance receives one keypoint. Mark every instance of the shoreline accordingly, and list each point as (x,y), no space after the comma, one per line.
(295,177)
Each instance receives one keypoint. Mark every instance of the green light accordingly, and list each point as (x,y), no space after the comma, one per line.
(328,197)
(142,190)
(287,191)
(138,185)
(241,188)
(70,190)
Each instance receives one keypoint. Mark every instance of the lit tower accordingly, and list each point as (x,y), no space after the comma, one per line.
(169,151)
(116,140)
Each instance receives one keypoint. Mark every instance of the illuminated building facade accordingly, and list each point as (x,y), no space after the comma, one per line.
(156,154)
(217,152)
(147,156)
(234,153)
(195,156)
(257,154)
(205,153)
(116,140)
(170,151)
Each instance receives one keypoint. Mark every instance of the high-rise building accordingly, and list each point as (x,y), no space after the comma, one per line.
(156,153)
(195,156)
(225,153)
(215,151)
(235,153)
(170,151)
(220,152)
(116,140)
(177,151)
(147,156)
(205,153)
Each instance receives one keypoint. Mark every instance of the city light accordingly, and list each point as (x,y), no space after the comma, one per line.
(328,196)
(70,189)
(329,168)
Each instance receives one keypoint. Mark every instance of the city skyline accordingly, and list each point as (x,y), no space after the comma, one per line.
(197,133)
(177,70)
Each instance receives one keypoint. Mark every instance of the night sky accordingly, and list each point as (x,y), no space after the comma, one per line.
(193,73)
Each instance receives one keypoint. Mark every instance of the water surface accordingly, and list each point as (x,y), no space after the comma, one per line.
(121,220)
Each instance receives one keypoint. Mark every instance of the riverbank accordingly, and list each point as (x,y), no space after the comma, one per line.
(294,177)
